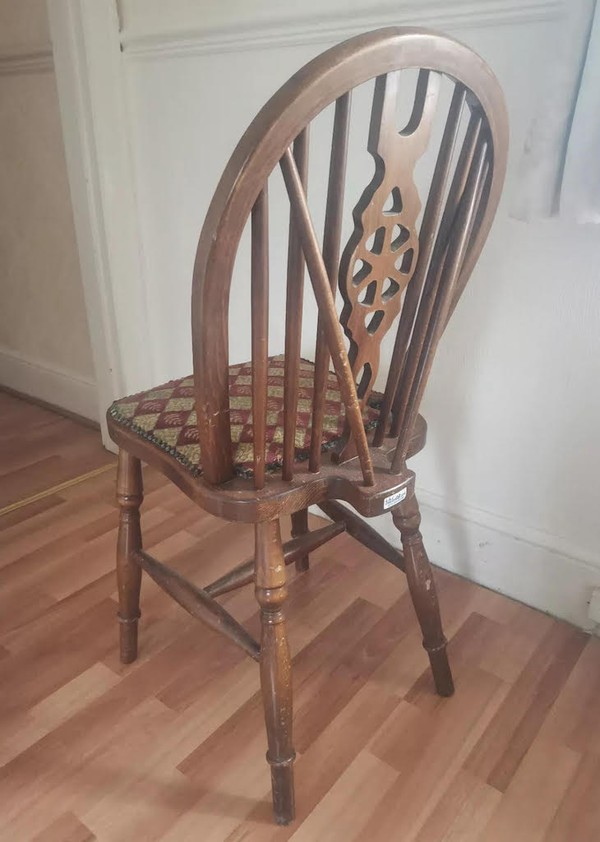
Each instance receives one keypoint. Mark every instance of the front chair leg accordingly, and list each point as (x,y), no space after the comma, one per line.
(275,667)
(407,519)
(129,573)
(299,528)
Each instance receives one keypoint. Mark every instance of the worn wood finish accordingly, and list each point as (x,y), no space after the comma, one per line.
(129,542)
(260,330)
(300,527)
(242,502)
(173,748)
(419,574)
(198,603)
(393,271)
(275,667)
(331,255)
(293,318)
(293,551)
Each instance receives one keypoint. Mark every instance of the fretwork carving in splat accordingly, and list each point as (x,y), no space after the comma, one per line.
(381,255)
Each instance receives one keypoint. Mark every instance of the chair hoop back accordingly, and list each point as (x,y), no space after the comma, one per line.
(393,268)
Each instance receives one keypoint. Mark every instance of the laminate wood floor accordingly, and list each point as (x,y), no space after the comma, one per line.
(40,449)
(173,746)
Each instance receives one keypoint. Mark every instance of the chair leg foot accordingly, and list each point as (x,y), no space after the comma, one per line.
(442,674)
(275,667)
(128,640)
(282,786)
(129,573)
(419,574)
(300,527)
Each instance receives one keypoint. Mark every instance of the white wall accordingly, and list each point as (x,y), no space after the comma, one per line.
(509,480)
(44,340)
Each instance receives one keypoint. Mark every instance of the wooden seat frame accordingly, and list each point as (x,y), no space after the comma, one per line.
(432,265)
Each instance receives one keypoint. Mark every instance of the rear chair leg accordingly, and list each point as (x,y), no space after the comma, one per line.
(275,667)
(407,519)
(299,528)
(129,573)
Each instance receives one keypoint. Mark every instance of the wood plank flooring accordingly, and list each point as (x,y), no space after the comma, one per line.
(40,449)
(172,747)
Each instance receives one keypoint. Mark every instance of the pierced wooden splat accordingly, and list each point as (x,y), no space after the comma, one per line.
(382,252)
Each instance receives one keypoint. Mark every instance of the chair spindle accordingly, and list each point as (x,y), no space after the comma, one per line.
(429,226)
(293,319)
(454,258)
(434,270)
(260,330)
(326,303)
(331,256)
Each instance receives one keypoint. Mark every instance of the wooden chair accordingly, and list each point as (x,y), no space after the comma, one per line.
(258,467)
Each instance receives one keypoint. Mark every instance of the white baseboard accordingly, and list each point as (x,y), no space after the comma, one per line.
(33,60)
(537,574)
(51,384)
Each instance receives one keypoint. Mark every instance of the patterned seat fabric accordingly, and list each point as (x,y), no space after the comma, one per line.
(166,417)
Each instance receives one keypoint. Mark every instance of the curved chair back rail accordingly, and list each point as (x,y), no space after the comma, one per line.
(394,269)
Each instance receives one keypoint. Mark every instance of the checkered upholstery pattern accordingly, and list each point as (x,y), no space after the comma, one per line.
(166,417)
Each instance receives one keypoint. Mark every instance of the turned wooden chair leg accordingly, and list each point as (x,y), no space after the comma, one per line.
(129,573)
(275,667)
(300,527)
(407,519)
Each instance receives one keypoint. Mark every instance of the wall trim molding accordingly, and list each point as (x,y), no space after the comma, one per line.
(507,526)
(26,61)
(195,40)
(544,577)
(548,579)
(96,133)
(52,384)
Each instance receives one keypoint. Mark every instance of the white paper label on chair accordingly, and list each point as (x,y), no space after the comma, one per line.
(393,499)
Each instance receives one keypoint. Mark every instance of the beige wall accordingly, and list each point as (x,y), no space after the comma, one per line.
(44,341)
(23,26)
